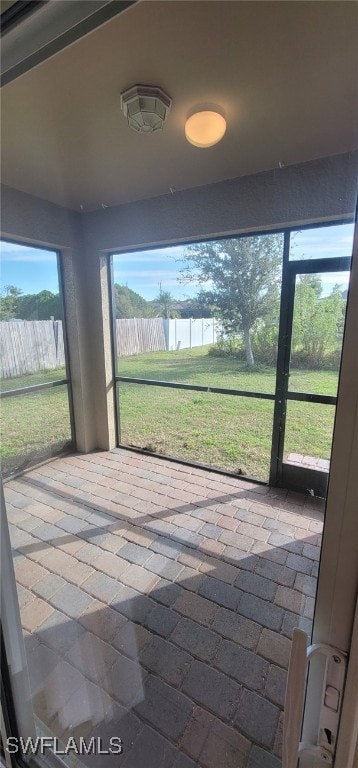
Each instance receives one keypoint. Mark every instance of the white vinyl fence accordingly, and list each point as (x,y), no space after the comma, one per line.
(27,346)
(194,332)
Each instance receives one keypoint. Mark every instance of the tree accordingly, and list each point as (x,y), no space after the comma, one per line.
(39,306)
(128,303)
(318,321)
(193,308)
(29,306)
(244,274)
(165,304)
(8,301)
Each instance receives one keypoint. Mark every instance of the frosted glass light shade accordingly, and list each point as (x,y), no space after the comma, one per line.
(204,129)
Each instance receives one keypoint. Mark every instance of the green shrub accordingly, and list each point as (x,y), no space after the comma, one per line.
(333,360)
(264,344)
(316,361)
(229,347)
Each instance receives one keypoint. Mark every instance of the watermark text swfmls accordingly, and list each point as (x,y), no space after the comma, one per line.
(42,744)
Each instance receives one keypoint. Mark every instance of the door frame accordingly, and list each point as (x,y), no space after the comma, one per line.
(283,474)
(335,620)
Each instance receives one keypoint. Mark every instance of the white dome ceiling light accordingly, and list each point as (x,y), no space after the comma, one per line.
(146,107)
(204,129)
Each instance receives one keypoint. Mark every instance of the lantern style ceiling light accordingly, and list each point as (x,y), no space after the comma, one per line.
(146,107)
(204,129)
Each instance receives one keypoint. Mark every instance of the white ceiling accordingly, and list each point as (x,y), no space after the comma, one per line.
(285,73)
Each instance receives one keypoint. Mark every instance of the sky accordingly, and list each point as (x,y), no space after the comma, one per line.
(33,269)
(143,271)
(30,269)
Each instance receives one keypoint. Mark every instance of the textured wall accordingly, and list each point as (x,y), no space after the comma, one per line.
(38,221)
(320,190)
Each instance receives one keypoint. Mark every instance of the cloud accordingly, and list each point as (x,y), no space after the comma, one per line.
(323,242)
(330,279)
(12,252)
(335,277)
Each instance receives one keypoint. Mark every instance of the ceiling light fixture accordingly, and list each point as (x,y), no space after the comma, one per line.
(204,129)
(146,107)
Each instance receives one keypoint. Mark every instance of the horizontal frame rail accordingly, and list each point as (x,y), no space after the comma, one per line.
(33,388)
(315,266)
(308,397)
(300,396)
(197,388)
(187,463)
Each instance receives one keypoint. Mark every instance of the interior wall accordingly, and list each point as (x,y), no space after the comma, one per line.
(29,219)
(321,190)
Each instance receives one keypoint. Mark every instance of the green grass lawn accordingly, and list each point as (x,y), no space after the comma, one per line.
(195,366)
(33,424)
(228,432)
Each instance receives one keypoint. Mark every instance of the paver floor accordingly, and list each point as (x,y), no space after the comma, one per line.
(308,462)
(157,602)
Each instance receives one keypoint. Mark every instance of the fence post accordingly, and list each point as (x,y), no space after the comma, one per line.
(55,333)
(166,329)
(190,332)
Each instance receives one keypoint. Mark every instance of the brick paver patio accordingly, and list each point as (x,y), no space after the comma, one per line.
(308,462)
(157,602)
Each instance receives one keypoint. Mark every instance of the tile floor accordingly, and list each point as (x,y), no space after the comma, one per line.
(157,602)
